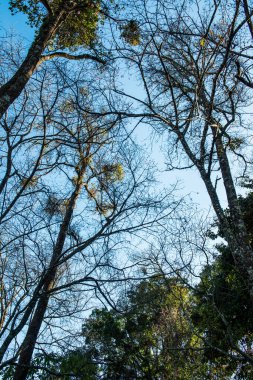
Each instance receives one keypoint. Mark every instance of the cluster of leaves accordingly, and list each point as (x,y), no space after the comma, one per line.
(150,339)
(55,206)
(78,28)
(33,9)
(131,33)
(75,365)
(224,323)
(107,174)
(164,329)
(113,172)
(223,312)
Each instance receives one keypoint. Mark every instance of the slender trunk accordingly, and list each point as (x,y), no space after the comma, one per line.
(227,176)
(30,339)
(13,88)
(248,15)
(15,331)
(212,194)
(235,233)
(33,329)
(234,230)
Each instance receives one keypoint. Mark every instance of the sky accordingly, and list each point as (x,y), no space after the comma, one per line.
(16,24)
(189,180)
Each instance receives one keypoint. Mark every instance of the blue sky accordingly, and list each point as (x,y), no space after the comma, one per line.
(16,23)
(190,180)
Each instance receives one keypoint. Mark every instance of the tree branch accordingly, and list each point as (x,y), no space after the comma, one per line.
(71,56)
(46,5)
(240,78)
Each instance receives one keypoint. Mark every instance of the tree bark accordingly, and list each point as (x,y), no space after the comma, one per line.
(235,233)
(13,88)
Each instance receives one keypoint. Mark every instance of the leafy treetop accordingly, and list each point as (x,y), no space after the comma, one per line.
(78,27)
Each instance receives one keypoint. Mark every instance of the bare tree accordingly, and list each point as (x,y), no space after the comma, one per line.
(187,65)
(74,195)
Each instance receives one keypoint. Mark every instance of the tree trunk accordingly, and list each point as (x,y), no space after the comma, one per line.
(33,329)
(235,233)
(30,339)
(13,88)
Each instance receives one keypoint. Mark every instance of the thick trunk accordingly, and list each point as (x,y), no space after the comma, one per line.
(13,88)
(30,339)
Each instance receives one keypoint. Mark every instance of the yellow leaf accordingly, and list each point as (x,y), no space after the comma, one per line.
(202,42)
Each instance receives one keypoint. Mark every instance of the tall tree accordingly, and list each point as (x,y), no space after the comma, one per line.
(69,191)
(60,25)
(226,326)
(187,64)
(150,338)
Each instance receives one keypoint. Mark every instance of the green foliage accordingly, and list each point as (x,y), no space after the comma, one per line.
(223,312)
(113,172)
(75,365)
(246,204)
(32,8)
(7,373)
(78,27)
(222,320)
(235,143)
(131,33)
(150,339)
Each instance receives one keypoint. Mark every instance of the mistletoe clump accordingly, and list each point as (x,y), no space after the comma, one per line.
(131,33)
